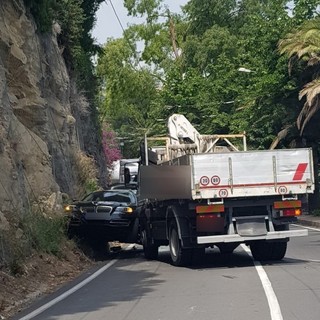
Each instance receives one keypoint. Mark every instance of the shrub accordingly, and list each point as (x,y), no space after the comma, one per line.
(316,213)
(13,251)
(110,146)
(43,12)
(86,173)
(45,234)
(33,233)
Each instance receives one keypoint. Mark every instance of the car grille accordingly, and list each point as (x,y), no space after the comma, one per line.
(97,209)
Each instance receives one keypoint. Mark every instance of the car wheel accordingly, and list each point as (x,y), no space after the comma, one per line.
(179,256)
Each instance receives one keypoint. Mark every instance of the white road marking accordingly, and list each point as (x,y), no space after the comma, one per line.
(72,290)
(309,228)
(273,303)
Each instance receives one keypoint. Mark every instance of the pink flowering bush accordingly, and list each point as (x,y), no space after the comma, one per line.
(110,146)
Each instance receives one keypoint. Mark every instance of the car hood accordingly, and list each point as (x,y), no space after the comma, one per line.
(112,204)
(100,203)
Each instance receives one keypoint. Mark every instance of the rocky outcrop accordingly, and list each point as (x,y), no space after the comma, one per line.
(41,119)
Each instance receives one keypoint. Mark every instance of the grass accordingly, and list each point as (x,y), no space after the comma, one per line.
(34,232)
(13,251)
(45,234)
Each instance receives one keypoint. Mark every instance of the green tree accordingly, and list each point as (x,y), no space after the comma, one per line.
(130,93)
(303,45)
(203,15)
(197,55)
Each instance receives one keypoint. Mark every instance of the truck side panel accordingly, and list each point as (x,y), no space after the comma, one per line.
(165,182)
(253,173)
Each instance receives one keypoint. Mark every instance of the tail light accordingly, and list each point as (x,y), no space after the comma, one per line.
(288,208)
(290,212)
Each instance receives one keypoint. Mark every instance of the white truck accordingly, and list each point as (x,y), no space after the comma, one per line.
(118,171)
(197,194)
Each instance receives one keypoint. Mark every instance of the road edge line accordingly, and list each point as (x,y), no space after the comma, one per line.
(72,290)
(274,307)
(306,227)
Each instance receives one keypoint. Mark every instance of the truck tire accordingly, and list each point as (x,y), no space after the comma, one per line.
(133,234)
(279,250)
(179,256)
(227,248)
(263,250)
(150,250)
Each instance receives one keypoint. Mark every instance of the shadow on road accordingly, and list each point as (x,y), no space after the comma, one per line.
(212,259)
(132,278)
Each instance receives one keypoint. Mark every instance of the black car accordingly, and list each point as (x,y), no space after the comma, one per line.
(109,215)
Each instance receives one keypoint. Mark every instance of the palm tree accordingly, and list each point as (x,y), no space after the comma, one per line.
(303,45)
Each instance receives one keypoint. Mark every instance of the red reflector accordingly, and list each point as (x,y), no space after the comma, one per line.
(209,216)
(287,204)
(210,208)
(290,212)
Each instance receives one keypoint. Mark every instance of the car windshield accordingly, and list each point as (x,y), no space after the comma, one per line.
(123,198)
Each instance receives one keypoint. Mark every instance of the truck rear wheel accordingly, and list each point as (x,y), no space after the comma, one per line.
(179,255)
(279,250)
(263,250)
(226,248)
(150,250)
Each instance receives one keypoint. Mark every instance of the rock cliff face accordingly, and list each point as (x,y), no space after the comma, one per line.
(44,121)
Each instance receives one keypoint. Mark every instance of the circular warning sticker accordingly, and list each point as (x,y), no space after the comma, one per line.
(223,193)
(215,180)
(282,190)
(204,180)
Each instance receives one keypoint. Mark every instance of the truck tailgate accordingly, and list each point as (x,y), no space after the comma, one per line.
(252,173)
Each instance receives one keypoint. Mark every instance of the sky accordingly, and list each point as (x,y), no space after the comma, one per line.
(108,26)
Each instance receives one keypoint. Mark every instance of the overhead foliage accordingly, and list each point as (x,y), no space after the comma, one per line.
(130,93)
(196,57)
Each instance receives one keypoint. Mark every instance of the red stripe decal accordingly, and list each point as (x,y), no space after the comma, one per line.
(300,171)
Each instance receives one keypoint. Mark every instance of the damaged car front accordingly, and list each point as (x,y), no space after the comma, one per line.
(110,215)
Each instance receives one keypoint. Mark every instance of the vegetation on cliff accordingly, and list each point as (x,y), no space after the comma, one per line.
(76,19)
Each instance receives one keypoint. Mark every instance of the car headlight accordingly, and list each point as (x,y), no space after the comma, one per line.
(68,208)
(127,210)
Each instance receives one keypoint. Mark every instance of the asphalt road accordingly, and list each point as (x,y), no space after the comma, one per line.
(220,287)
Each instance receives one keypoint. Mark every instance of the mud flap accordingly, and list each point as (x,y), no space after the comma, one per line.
(251,226)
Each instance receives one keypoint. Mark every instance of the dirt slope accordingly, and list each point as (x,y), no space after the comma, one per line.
(40,275)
